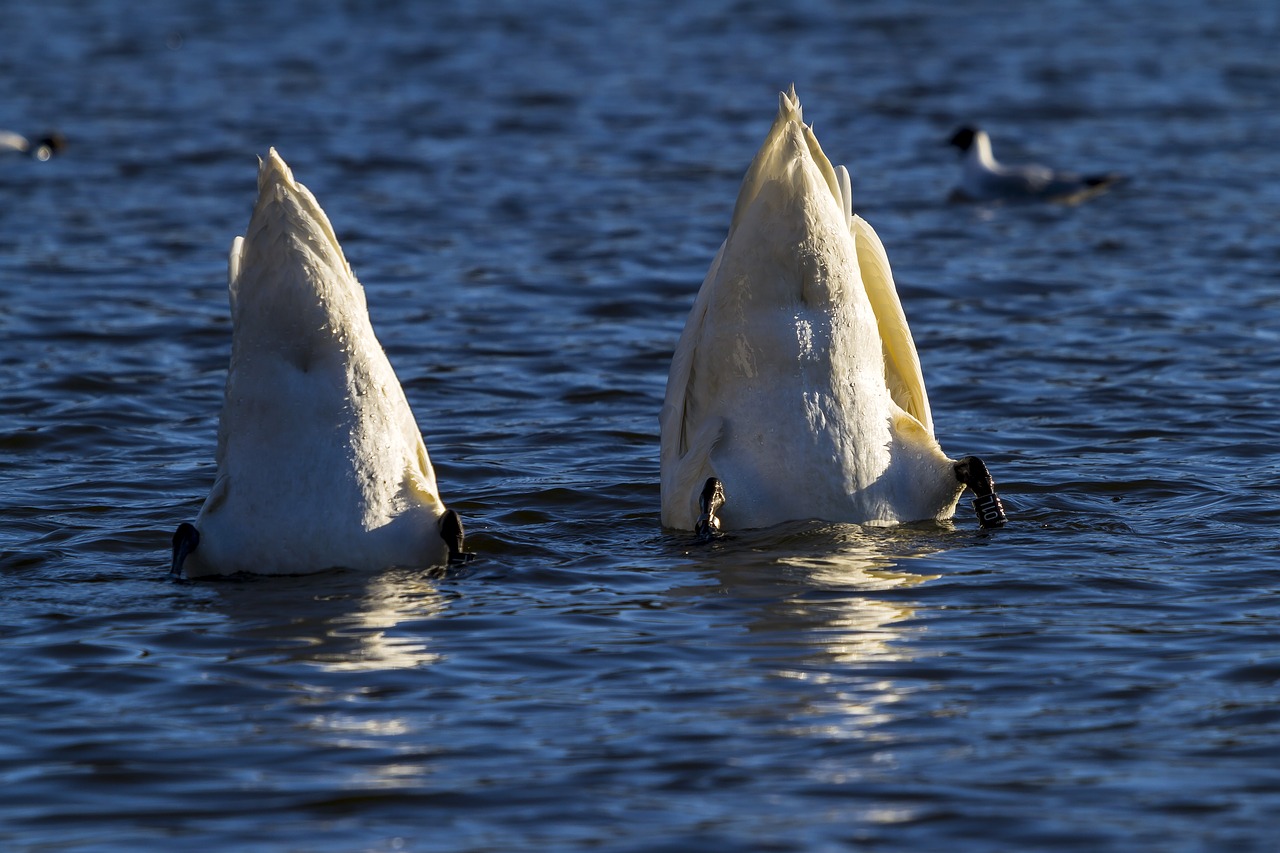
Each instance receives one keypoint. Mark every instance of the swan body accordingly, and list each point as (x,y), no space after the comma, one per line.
(320,462)
(983,178)
(796,382)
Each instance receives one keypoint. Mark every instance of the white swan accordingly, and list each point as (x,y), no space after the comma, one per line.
(983,178)
(42,149)
(320,461)
(795,390)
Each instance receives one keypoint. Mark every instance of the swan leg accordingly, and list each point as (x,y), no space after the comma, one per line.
(973,472)
(185,540)
(452,534)
(710,501)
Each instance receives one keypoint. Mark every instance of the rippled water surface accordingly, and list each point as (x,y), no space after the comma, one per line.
(531,193)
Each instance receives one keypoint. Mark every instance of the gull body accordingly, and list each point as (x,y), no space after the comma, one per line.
(320,461)
(796,384)
(983,178)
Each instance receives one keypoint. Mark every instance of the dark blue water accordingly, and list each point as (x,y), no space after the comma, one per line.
(531,194)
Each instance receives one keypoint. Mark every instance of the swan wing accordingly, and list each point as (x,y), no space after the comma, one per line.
(678,449)
(901,361)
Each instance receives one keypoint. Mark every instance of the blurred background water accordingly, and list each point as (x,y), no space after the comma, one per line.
(531,193)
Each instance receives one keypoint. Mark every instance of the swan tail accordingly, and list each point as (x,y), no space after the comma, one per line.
(302,214)
(776,156)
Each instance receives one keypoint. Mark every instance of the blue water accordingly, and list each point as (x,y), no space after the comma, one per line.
(531,193)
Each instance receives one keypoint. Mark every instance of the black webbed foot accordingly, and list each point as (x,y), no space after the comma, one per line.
(710,501)
(973,472)
(454,537)
(185,540)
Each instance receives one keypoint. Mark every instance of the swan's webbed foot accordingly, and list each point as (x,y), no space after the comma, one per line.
(710,501)
(452,534)
(973,472)
(185,540)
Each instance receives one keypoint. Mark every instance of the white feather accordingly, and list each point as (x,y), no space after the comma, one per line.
(779,385)
(320,461)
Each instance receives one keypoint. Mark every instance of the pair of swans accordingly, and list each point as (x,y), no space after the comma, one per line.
(795,391)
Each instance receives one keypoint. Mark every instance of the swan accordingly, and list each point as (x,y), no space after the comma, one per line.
(795,390)
(320,463)
(43,148)
(983,178)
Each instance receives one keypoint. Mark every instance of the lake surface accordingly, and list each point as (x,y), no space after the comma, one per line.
(531,193)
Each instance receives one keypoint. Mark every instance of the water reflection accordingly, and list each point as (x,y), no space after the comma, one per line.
(340,621)
(335,665)
(387,628)
(831,614)
(852,626)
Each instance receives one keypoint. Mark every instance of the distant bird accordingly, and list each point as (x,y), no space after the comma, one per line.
(795,391)
(42,149)
(320,461)
(986,179)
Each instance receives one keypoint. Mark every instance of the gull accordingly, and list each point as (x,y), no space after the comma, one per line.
(986,179)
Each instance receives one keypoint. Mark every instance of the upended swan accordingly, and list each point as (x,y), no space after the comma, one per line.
(795,391)
(983,178)
(320,462)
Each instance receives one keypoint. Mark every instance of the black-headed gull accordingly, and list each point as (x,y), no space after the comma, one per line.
(986,179)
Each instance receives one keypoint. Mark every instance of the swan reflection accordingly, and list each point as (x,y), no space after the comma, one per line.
(339,621)
(852,625)
(385,629)
(834,612)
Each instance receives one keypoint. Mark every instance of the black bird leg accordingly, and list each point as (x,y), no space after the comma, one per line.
(452,534)
(973,472)
(185,540)
(710,501)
